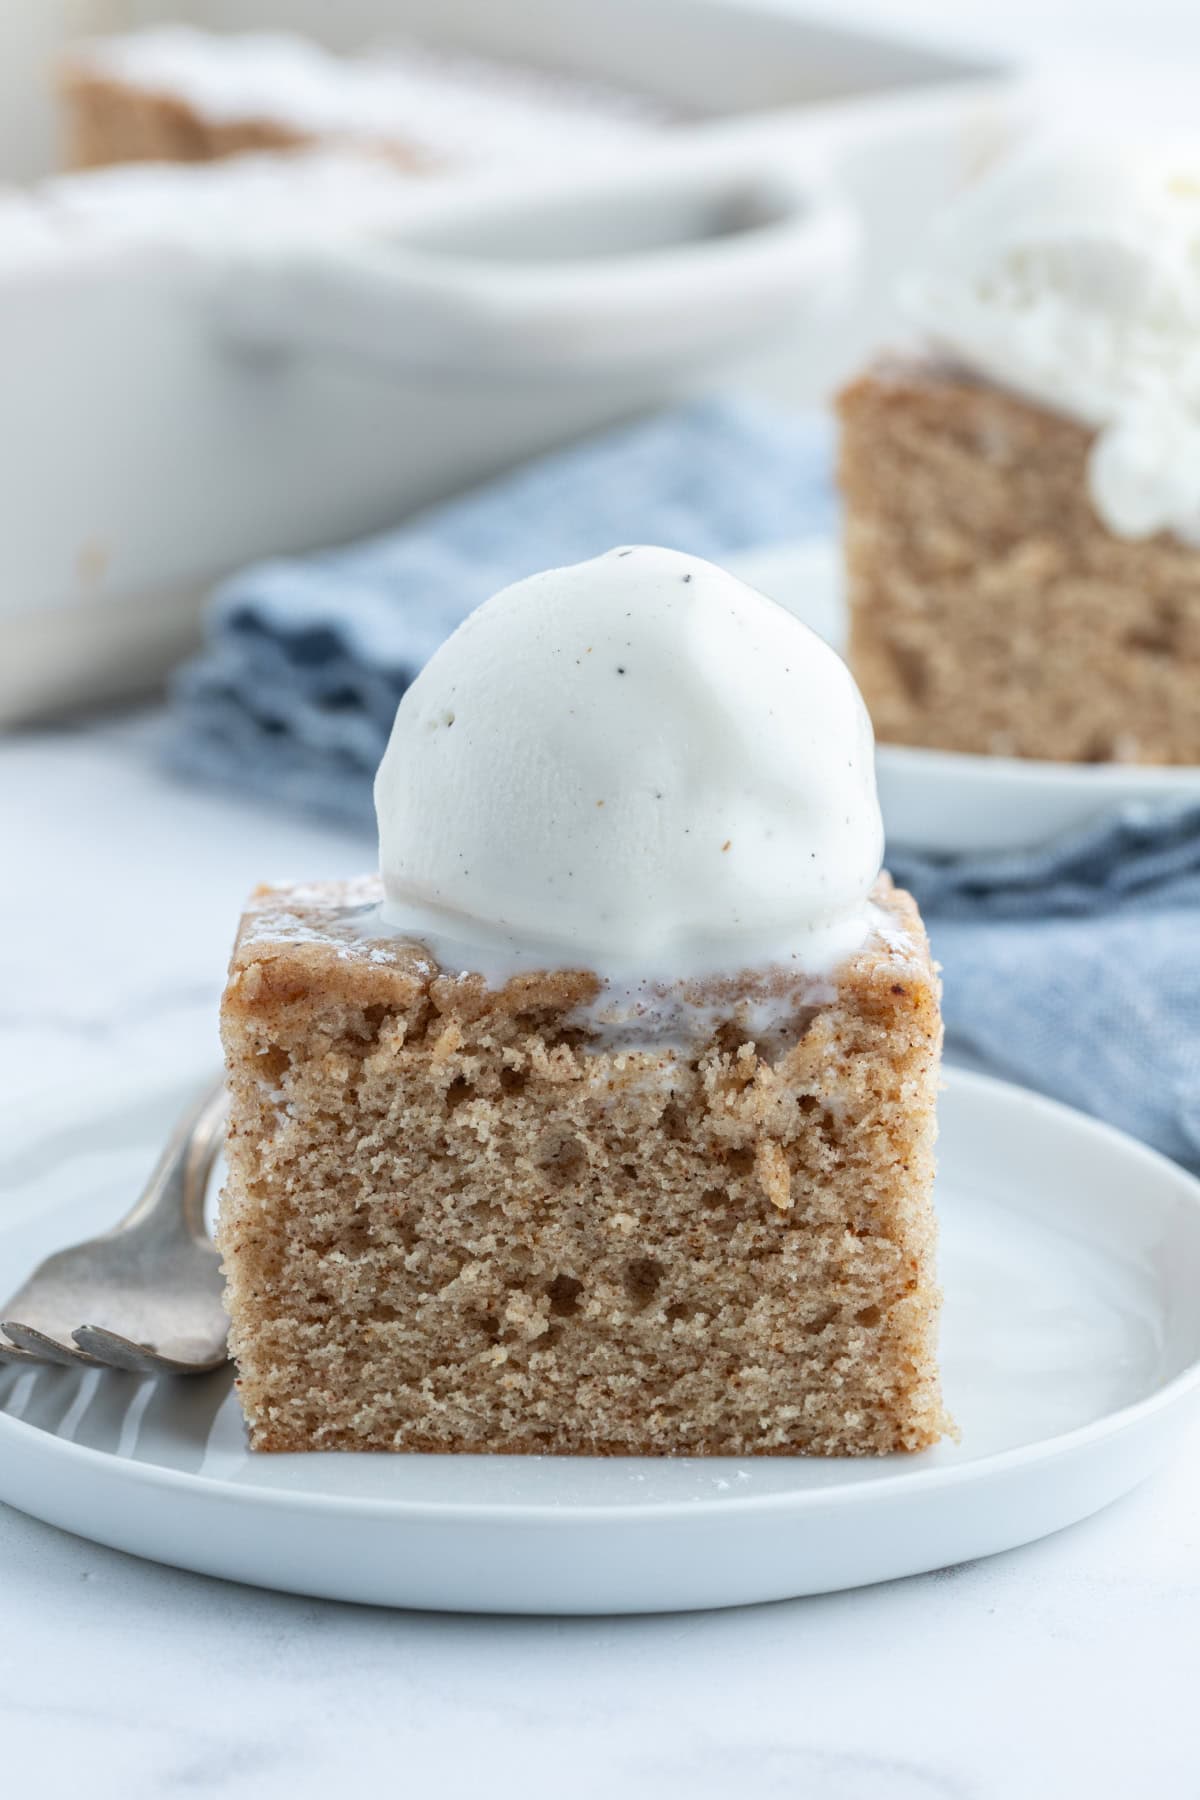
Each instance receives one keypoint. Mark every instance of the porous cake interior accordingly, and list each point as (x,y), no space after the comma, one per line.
(990,610)
(457,1220)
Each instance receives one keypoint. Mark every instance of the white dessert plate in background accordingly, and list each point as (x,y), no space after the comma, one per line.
(1071,1350)
(944,801)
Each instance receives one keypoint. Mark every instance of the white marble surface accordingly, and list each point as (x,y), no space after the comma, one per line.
(1064,1669)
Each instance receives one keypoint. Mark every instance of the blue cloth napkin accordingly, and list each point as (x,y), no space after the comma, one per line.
(1073,970)
(294,694)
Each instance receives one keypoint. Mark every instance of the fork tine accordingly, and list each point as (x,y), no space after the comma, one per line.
(45,1349)
(122,1353)
(162,1244)
(115,1351)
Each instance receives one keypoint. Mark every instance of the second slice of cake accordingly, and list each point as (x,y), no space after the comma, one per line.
(1023,502)
(604,1123)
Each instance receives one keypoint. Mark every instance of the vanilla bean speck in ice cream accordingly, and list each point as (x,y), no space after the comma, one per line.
(638,766)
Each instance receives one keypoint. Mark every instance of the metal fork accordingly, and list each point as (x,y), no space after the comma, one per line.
(153,1283)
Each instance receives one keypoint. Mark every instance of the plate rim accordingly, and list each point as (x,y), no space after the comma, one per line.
(918,1479)
(1115,778)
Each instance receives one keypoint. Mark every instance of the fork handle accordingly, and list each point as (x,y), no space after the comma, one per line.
(172,1202)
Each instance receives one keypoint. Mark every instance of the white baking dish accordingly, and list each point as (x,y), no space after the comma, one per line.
(175,407)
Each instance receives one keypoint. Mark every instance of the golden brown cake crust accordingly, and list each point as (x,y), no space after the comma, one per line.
(990,610)
(460,1219)
(111,121)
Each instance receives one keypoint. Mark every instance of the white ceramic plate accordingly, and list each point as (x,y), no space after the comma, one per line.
(1071,1262)
(943,801)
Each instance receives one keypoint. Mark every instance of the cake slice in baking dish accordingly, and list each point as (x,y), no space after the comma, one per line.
(173,93)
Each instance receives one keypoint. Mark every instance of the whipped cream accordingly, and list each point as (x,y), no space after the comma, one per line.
(272,197)
(639,766)
(1072,275)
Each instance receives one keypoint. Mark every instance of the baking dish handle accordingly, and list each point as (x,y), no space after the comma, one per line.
(611,273)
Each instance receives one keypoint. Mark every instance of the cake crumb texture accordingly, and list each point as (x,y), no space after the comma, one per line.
(990,610)
(453,1222)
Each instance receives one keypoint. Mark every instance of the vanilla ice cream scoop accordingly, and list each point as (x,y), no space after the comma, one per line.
(635,765)
(1072,275)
